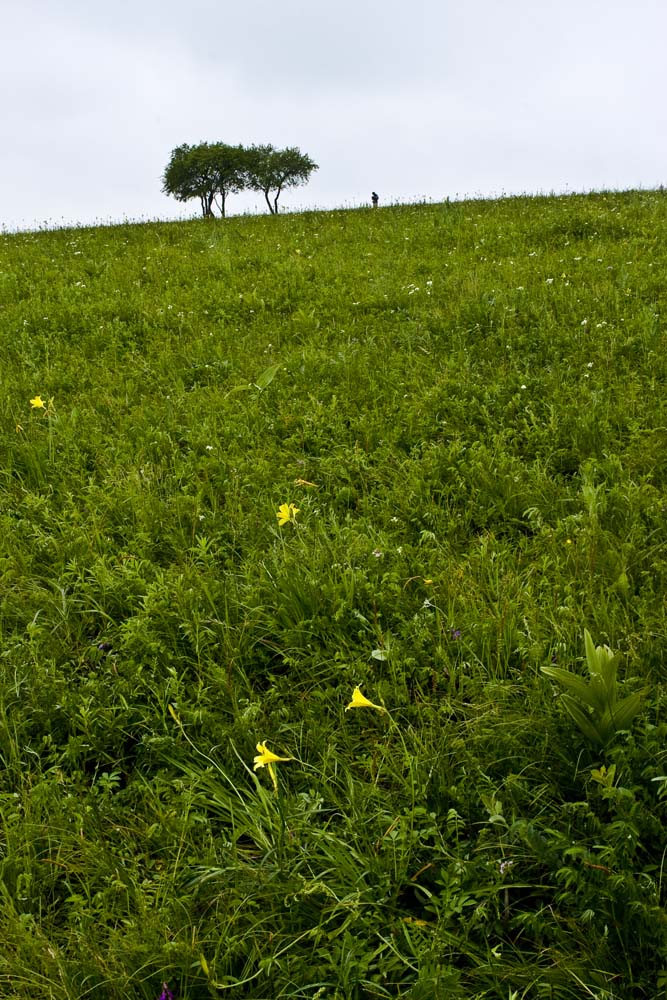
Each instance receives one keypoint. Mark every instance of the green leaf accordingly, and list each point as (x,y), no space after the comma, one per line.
(238,388)
(601,661)
(591,652)
(600,697)
(624,713)
(267,376)
(576,684)
(584,721)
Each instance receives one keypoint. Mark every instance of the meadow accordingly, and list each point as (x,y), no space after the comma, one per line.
(459,412)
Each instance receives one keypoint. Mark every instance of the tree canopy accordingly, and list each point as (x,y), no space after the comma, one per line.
(271,170)
(207,171)
(212,171)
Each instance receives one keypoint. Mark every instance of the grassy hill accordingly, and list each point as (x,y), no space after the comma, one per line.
(461,411)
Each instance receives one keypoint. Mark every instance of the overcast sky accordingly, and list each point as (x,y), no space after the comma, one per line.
(421,99)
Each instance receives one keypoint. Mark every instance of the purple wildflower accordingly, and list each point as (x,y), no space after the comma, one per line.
(166,993)
(455,633)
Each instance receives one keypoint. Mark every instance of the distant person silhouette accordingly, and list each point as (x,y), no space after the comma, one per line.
(375,197)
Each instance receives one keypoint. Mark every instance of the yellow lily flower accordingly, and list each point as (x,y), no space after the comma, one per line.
(361,701)
(38,403)
(266,758)
(286,512)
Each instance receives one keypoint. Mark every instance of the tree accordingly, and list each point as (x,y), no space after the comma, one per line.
(211,171)
(271,170)
(230,164)
(207,171)
(189,174)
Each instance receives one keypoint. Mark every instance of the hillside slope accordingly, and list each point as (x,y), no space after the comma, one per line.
(465,405)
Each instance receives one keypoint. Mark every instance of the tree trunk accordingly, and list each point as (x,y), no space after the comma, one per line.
(268,202)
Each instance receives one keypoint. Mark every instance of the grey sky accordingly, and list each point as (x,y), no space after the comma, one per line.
(420,100)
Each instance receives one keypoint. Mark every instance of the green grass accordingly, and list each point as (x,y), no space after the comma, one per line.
(467,403)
